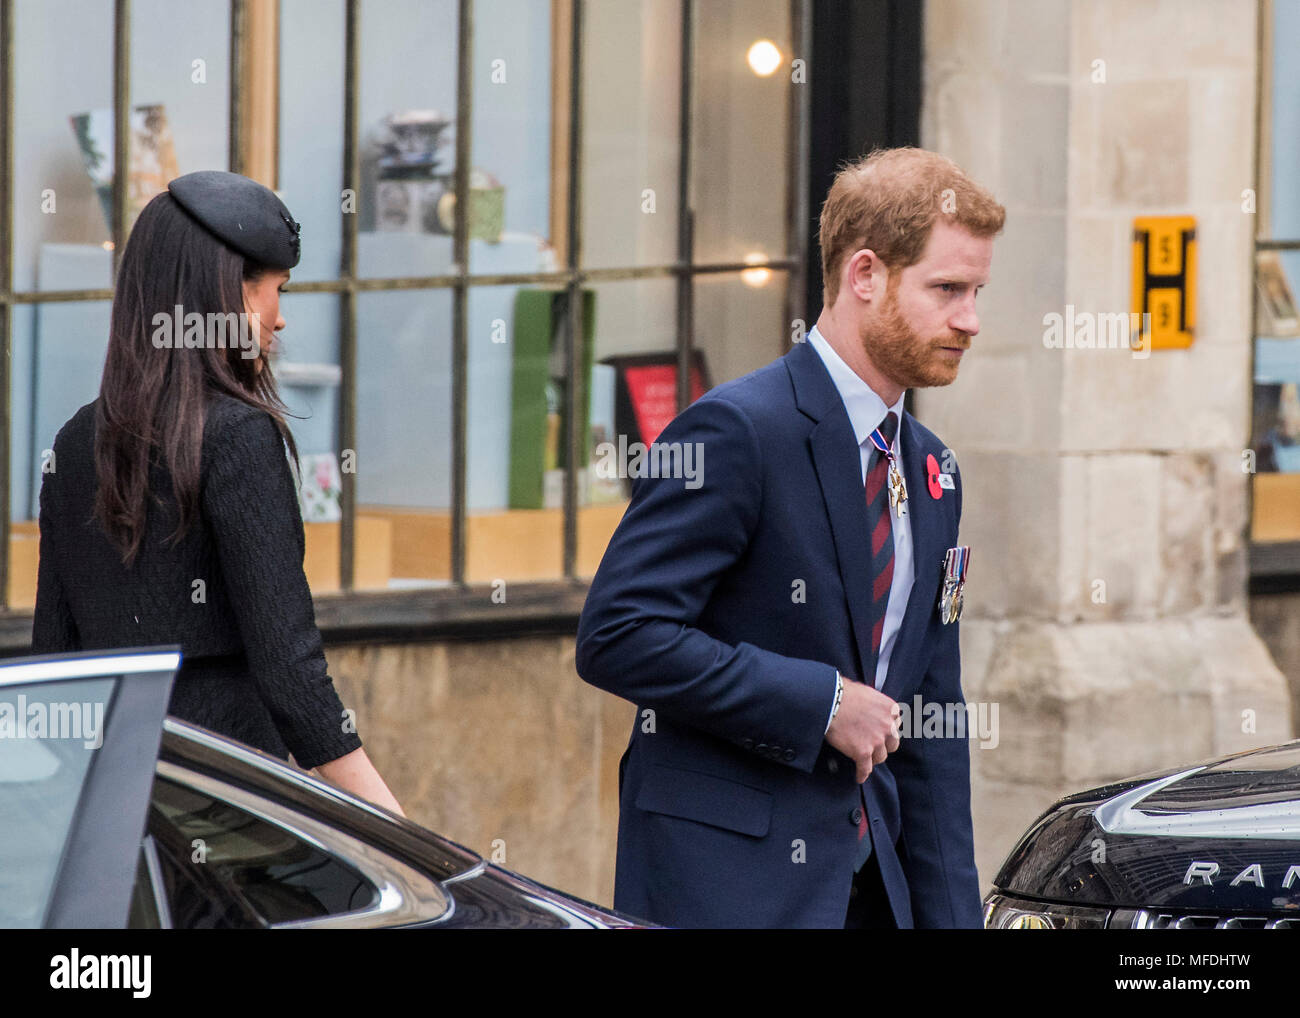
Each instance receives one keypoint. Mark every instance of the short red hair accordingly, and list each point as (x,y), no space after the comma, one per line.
(889,200)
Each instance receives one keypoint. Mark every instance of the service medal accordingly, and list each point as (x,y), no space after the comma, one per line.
(955,563)
(895,484)
(897,490)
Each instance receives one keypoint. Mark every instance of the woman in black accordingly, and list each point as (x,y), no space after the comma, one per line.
(168,511)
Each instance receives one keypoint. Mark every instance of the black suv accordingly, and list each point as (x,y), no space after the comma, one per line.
(1214,845)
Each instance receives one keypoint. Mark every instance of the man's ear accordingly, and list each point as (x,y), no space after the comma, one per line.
(865,275)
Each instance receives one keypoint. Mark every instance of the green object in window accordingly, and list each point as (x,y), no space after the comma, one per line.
(541,322)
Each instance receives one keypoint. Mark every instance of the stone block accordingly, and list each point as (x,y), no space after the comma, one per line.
(1036,39)
(1225,285)
(961,118)
(1121,537)
(962,33)
(1035,135)
(1187,498)
(1197,398)
(1010,522)
(1140,144)
(1161,38)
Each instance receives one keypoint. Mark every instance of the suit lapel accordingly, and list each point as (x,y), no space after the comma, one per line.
(927,564)
(839,472)
(837,461)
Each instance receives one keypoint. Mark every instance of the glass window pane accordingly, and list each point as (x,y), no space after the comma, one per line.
(1275,431)
(180,92)
(739,321)
(41,781)
(305,359)
(281,877)
(407,136)
(58,358)
(63,69)
(633,393)
(741,113)
(516,449)
(631,65)
(511,183)
(1284,156)
(310,164)
(403,455)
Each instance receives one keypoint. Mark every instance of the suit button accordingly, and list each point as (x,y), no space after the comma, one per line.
(855,818)
(761,748)
(748,743)
(833,765)
(788,755)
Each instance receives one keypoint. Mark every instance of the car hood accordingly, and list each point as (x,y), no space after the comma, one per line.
(1223,834)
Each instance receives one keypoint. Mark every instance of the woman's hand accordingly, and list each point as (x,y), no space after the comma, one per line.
(355,773)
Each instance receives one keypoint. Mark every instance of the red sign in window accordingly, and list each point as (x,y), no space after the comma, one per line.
(653,391)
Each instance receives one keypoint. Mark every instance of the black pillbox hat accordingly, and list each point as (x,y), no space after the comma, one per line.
(241,212)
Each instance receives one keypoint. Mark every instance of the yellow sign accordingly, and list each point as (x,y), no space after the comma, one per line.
(1164,281)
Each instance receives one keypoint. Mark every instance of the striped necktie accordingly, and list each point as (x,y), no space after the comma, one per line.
(881,530)
(882,535)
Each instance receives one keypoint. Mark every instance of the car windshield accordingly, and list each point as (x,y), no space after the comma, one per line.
(49,734)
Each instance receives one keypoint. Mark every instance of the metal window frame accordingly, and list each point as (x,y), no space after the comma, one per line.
(1272,567)
(361,613)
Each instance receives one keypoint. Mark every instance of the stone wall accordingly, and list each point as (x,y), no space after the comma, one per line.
(497,745)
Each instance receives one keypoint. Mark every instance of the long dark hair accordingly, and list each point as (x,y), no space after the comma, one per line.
(153,402)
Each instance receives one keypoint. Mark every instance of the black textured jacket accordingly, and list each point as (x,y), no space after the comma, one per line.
(253,667)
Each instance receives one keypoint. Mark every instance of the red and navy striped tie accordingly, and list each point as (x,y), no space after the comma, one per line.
(882,536)
(881,530)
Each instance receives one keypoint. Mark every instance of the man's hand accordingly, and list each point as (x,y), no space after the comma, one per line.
(865,728)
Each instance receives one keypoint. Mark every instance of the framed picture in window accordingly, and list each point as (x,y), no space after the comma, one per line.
(1277,308)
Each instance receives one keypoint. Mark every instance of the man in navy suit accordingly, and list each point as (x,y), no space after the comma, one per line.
(769,614)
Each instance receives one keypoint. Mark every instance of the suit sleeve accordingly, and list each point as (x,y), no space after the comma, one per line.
(53,628)
(639,634)
(933,776)
(250,503)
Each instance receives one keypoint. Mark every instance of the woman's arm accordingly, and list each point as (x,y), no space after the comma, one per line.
(356,774)
(53,628)
(250,503)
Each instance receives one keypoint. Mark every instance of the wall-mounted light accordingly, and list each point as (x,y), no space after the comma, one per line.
(764,58)
(756,277)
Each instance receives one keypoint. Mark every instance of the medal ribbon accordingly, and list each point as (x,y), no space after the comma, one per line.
(878,440)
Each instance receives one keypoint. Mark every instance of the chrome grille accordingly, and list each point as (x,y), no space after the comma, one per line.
(1152,919)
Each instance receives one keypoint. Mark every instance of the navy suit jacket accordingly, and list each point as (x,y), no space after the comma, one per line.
(723,611)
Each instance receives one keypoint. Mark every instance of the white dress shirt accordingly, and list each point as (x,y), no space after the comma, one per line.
(866,413)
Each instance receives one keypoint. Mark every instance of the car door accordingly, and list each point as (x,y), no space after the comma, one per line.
(79,736)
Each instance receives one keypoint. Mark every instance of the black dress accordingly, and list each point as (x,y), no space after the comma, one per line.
(232,593)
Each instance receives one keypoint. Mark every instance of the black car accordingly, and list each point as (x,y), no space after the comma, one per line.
(1214,845)
(112,815)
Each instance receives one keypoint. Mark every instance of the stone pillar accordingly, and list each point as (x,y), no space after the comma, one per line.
(1105,498)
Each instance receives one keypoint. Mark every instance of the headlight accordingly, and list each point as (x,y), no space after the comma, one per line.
(1002,912)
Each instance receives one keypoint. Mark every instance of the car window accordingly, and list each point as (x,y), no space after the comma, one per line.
(49,736)
(223,867)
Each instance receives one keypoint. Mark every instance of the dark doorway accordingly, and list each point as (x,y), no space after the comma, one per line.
(866,93)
